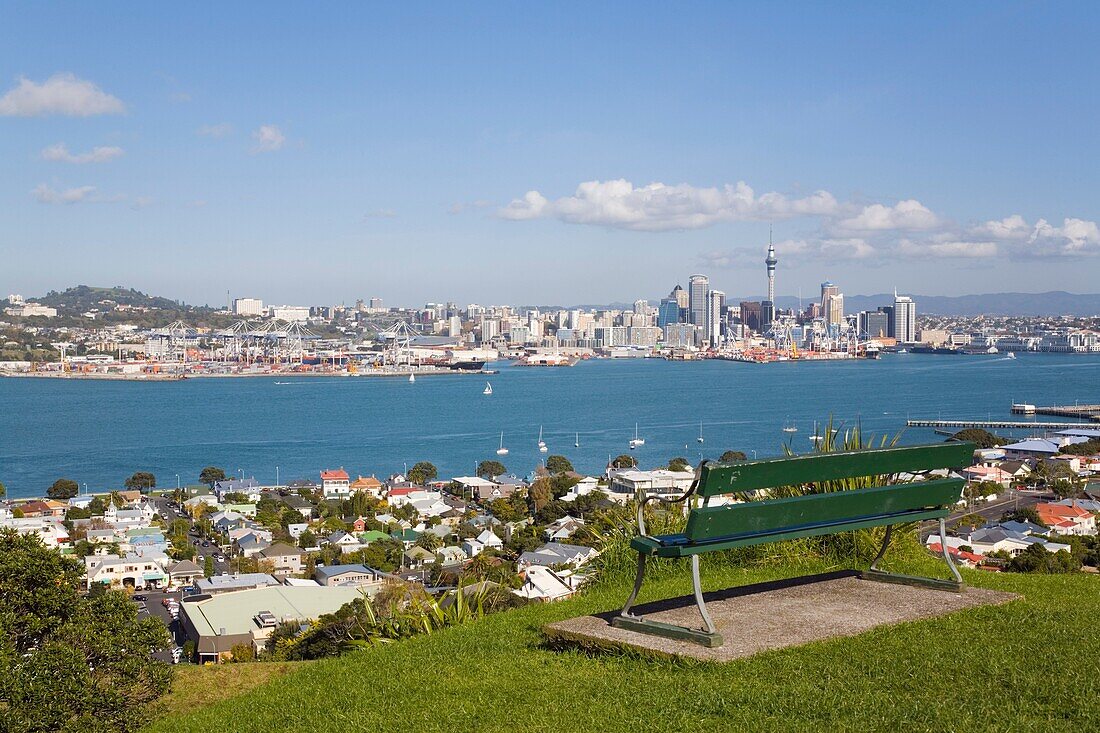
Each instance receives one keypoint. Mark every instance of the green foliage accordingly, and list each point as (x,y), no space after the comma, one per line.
(68,662)
(511,509)
(3,490)
(422,473)
(211,475)
(141,481)
(399,611)
(558,464)
(979,437)
(208,566)
(678,464)
(1035,559)
(307,539)
(1023,514)
(428,541)
(732,456)
(1088,448)
(624,461)
(242,653)
(63,489)
(491,469)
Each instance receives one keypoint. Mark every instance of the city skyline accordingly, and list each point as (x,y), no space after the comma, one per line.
(407,153)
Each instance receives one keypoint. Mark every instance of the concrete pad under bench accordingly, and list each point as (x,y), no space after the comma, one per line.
(765,616)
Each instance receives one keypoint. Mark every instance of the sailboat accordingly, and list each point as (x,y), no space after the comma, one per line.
(636,441)
(789,428)
(412,378)
(815,438)
(502,451)
(488,389)
(542,443)
(1011,355)
(577,442)
(700,438)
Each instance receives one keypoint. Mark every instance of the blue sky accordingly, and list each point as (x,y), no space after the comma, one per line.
(558,154)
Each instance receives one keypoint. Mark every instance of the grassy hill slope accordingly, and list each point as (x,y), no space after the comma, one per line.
(1027,665)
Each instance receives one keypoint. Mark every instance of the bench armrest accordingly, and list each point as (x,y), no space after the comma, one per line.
(643,499)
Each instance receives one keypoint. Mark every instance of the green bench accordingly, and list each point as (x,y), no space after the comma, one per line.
(833,507)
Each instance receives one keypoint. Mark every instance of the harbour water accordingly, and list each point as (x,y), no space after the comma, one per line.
(98,433)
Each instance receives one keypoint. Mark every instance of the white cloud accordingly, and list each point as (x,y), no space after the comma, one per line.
(948,248)
(98,154)
(908,215)
(61,94)
(1011,227)
(269,138)
(660,207)
(1043,239)
(44,194)
(219,130)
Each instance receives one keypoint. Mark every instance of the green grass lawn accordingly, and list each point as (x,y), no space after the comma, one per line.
(1033,664)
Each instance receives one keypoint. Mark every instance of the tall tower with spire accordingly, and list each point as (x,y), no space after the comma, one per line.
(767,308)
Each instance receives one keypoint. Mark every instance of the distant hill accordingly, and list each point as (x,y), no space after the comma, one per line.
(84,297)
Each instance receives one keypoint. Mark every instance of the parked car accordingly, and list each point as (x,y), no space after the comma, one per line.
(139,597)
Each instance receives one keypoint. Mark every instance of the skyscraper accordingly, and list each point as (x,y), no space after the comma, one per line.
(905,319)
(767,308)
(716,302)
(698,286)
(668,312)
(832,303)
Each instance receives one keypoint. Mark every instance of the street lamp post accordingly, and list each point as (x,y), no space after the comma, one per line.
(277,484)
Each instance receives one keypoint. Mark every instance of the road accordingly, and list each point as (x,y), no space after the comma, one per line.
(150,604)
(164,508)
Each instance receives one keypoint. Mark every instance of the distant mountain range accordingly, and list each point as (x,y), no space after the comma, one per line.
(1053,303)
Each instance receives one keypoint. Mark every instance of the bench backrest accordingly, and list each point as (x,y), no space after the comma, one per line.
(733,478)
(835,507)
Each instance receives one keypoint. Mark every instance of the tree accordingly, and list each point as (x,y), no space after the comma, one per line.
(979,437)
(211,475)
(208,566)
(732,456)
(422,473)
(679,464)
(141,481)
(541,494)
(491,469)
(624,461)
(71,662)
(63,489)
(558,464)
(429,541)
(307,539)
(1036,559)
(3,490)
(1023,514)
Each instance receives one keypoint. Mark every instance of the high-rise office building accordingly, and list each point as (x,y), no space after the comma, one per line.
(668,312)
(716,303)
(832,303)
(680,296)
(905,319)
(750,314)
(874,324)
(698,286)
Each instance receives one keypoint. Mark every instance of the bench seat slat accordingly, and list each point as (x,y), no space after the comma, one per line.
(678,545)
(754,517)
(719,478)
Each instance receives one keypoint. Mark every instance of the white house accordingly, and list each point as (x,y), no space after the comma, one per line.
(543,584)
(335,484)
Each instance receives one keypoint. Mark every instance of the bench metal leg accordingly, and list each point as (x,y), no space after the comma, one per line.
(707,636)
(956,584)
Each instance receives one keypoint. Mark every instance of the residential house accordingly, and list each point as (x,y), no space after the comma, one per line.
(125,572)
(1067,520)
(347,575)
(563,529)
(346,541)
(543,584)
(981,474)
(38,509)
(286,558)
(369,485)
(183,573)
(335,484)
(417,557)
(450,556)
(224,521)
(295,529)
(626,483)
(247,486)
(300,505)
(490,541)
(556,554)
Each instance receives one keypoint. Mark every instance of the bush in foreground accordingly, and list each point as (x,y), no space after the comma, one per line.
(68,662)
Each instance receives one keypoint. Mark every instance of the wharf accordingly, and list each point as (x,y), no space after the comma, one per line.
(998,424)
